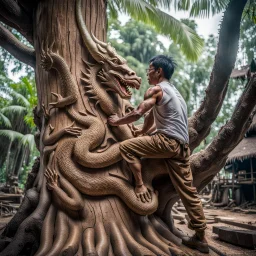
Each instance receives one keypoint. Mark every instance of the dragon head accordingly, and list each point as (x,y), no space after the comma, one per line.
(115,72)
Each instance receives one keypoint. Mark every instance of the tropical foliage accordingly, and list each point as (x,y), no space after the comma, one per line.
(16,129)
(150,12)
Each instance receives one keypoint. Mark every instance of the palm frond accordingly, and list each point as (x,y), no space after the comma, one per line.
(112,10)
(187,39)
(29,120)
(176,4)
(29,85)
(18,98)
(205,8)
(14,110)
(135,8)
(29,141)
(4,121)
(11,135)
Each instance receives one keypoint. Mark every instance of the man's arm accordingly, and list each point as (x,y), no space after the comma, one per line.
(150,100)
(149,124)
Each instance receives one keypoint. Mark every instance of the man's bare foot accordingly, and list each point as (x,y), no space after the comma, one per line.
(143,193)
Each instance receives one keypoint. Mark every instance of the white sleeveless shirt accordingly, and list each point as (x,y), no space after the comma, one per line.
(170,113)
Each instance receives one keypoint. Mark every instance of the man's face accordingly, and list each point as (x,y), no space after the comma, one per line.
(152,75)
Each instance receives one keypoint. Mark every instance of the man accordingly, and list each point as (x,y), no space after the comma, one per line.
(167,118)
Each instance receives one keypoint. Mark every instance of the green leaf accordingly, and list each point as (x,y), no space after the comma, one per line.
(187,39)
(4,121)
(19,99)
(205,8)
(11,135)
(14,110)
(112,10)
(28,140)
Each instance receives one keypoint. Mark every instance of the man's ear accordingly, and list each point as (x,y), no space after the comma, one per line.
(160,71)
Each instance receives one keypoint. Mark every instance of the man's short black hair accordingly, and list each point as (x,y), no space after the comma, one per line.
(166,63)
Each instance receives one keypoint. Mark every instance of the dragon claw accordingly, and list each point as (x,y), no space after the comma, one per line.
(56,104)
(46,58)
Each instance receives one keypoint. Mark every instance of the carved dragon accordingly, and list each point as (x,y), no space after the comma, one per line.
(77,158)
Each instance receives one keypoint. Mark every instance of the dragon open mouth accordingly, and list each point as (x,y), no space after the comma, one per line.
(124,86)
(121,85)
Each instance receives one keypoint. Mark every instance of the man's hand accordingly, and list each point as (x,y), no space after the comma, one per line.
(112,120)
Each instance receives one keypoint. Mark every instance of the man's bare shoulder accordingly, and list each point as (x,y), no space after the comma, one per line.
(153,92)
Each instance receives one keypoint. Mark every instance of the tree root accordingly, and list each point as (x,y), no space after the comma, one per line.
(61,234)
(163,229)
(28,233)
(88,242)
(27,206)
(75,233)
(102,245)
(47,232)
(108,229)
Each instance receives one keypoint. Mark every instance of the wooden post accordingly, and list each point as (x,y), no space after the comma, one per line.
(233,180)
(252,179)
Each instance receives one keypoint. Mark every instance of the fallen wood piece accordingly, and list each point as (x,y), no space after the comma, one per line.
(249,211)
(236,209)
(221,219)
(243,238)
(210,219)
(230,221)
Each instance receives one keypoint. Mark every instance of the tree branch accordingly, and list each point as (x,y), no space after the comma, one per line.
(10,11)
(207,163)
(20,51)
(200,122)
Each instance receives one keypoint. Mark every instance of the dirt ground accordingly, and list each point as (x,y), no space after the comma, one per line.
(220,247)
(217,247)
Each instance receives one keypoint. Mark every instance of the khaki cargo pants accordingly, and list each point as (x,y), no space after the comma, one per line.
(177,157)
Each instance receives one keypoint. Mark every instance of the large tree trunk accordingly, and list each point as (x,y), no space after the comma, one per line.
(82,200)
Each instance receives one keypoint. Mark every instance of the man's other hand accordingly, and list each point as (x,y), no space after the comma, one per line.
(112,120)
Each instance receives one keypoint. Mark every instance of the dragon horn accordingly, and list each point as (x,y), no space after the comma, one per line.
(96,40)
(87,39)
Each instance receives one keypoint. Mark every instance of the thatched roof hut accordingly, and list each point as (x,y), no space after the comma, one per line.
(244,150)
(247,147)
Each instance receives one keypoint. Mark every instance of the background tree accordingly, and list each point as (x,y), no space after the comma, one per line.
(248,38)
(92,207)
(16,130)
